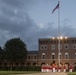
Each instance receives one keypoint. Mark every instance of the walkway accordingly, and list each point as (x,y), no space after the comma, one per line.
(46,73)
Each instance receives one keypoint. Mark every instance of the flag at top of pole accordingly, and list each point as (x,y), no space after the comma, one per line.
(57,6)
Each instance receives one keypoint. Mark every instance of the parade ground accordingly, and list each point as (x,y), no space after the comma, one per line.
(46,73)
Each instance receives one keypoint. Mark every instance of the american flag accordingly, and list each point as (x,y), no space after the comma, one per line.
(57,6)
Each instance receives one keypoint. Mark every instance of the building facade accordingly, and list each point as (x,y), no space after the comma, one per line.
(32,58)
(48,51)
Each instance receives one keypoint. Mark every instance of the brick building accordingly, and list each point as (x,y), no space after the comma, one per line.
(32,58)
(48,51)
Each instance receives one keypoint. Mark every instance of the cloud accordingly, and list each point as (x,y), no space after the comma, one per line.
(15,21)
(67,28)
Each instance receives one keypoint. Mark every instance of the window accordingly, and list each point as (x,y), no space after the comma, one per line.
(60,46)
(74,46)
(52,47)
(28,57)
(60,55)
(53,55)
(43,47)
(66,56)
(43,55)
(66,46)
(34,57)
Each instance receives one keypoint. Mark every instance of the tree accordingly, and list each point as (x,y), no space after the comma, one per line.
(16,50)
(2,54)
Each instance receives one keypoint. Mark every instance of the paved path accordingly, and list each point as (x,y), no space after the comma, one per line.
(61,73)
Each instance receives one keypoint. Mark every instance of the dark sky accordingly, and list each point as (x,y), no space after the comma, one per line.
(31,20)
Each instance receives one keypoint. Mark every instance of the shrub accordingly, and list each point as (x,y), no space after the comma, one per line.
(74,68)
(22,68)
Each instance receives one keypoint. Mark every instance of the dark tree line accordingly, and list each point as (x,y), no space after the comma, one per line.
(14,50)
(2,54)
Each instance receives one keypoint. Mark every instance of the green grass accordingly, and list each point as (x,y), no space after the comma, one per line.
(71,73)
(17,72)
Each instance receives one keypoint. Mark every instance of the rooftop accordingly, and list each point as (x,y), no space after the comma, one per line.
(32,52)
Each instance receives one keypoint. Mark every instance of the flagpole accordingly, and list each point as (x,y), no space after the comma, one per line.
(57,7)
(59,33)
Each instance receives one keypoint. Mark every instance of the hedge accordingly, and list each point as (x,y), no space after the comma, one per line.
(22,68)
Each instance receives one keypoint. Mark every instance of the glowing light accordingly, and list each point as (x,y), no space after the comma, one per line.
(61,37)
(65,37)
(57,37)
(53,38)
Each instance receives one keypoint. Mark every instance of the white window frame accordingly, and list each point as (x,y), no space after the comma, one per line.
(60,46)
(43,56)
(53,54)
(43,47)
(74,46)
(53,47)
(66,55)
(65,46)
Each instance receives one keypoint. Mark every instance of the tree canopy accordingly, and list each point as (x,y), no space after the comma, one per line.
(16,50)
(2,54)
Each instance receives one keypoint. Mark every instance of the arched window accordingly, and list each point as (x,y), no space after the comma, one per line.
(74,46)
(34,64)
(66,46)
(60,55)
(53,55)
(43,55)
(66,56)
(28,64)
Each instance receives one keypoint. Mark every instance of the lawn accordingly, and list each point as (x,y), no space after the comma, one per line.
(17,72)
(71,73)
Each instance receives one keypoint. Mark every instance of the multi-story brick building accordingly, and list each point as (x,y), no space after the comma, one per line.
(48,51)
(32,58)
